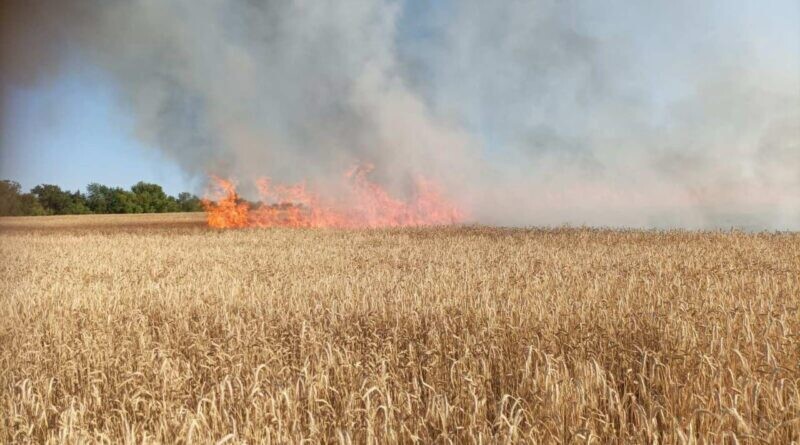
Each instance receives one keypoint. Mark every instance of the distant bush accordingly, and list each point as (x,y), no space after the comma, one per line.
(14,203)
(188,202)
(49,199)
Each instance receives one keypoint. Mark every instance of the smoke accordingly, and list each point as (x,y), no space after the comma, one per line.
(527,112)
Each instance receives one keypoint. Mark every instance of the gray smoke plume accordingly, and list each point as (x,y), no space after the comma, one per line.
(527,112)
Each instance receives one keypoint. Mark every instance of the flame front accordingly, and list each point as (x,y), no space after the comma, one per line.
(367,205)
(228,211)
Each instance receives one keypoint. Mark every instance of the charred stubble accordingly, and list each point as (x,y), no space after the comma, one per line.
(121,331)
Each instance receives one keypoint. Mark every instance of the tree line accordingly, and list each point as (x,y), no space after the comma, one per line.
(48,199)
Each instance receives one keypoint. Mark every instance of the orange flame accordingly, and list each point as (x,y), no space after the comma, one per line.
(228,211)
(368,205)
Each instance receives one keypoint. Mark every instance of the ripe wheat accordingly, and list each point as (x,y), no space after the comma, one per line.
(156,329)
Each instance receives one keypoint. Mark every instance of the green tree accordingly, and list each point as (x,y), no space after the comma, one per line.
(29,205)
(152,199)
(104,199)
(123,201)
(99,197)
(60,202)
(54,200)
(9,198)
(15,203)
(78,204)
(49,199)
(188,202)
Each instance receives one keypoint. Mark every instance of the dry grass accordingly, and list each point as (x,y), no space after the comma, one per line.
(102,223)
(135,332)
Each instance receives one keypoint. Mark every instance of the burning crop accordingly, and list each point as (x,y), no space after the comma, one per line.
(364,204)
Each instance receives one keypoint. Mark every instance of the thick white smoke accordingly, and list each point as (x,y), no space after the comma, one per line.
(527,112)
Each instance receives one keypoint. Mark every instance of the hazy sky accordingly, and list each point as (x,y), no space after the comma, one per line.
(533,112)
(71,131)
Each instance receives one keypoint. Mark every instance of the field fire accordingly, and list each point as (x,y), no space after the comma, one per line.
(365,205)
(399,222)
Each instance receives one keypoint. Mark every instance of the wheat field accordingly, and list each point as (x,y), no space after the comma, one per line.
(156,329)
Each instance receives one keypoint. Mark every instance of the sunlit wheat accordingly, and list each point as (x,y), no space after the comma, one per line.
(159,330)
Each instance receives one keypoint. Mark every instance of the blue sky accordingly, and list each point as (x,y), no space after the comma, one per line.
(71,131)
